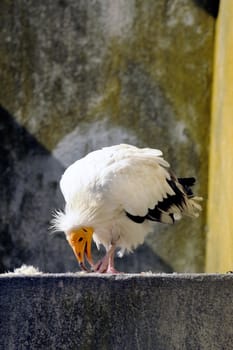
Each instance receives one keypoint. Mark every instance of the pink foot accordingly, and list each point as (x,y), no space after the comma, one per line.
(106,265)
(101,266)
(112,270)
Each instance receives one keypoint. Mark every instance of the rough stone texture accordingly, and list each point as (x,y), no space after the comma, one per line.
(77,75)
(143,312)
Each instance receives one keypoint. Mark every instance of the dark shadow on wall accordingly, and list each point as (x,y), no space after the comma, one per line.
(29,190)
(210,6)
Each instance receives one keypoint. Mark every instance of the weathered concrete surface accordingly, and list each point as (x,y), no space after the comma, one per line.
(143,312)
(78,75)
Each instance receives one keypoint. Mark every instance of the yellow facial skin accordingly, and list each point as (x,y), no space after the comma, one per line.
(80,241)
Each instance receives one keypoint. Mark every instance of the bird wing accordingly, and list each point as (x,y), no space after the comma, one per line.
(140,183)
(143,185)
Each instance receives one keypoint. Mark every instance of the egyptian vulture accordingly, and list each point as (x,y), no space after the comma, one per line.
(114,196)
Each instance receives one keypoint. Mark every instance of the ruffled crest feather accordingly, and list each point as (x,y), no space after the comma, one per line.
(63,221)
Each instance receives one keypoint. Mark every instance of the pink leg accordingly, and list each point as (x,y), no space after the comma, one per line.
(106,265)
(111,268)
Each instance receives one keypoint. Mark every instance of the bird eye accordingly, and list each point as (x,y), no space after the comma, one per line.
(85,230)
(80,239)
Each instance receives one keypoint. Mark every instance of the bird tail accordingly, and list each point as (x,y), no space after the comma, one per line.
(187,183)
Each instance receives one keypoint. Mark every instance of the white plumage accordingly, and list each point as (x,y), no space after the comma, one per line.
(117,193)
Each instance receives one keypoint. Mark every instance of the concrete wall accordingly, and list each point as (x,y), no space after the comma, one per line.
(123,312)
(77,75)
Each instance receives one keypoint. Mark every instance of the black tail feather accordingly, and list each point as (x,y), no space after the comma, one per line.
(186,183)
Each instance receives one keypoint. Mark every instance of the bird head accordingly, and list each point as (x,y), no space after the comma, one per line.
(80,241)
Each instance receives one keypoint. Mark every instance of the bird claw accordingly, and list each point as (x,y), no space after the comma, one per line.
(112,270)
(103,266)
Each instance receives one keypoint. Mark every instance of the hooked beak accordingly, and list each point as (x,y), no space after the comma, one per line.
(80,241)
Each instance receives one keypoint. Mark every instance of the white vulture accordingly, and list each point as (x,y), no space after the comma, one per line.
(115,195)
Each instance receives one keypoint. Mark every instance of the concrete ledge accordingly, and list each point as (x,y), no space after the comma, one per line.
(90,311)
